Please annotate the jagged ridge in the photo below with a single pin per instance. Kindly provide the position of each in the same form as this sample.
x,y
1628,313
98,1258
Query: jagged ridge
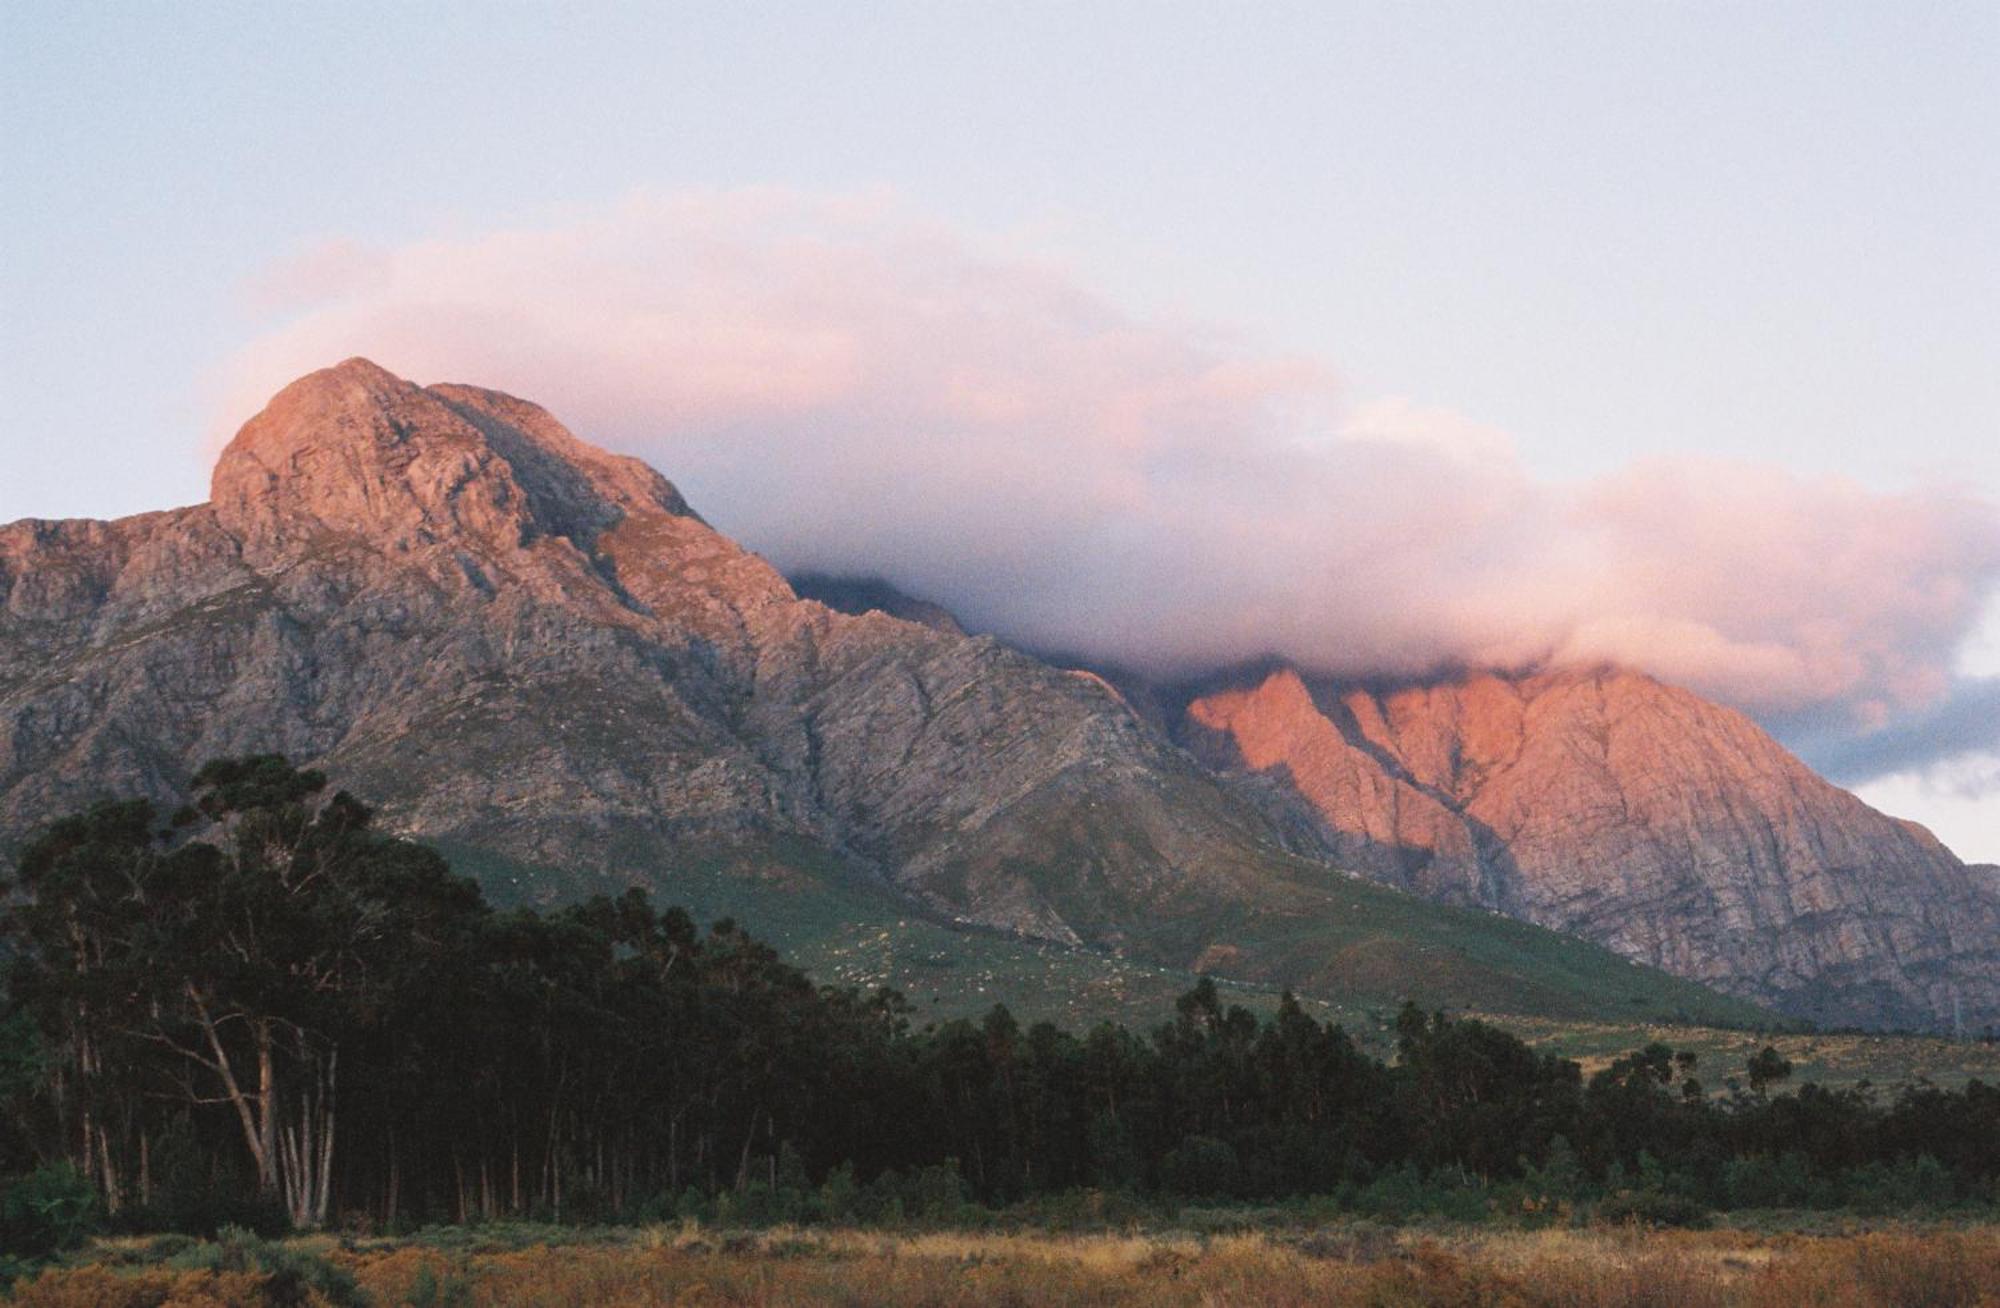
x,y
1601,802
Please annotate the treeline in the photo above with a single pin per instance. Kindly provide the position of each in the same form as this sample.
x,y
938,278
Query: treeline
x,y
262,1011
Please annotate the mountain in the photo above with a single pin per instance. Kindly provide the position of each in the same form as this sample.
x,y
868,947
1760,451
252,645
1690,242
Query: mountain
x,y
537,654
1602,803
862,595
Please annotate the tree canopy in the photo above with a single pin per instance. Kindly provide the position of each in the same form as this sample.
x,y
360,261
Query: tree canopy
x,y
263,1003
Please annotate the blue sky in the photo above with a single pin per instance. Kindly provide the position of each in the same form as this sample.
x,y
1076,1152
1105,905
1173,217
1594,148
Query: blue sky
x,y
1611,233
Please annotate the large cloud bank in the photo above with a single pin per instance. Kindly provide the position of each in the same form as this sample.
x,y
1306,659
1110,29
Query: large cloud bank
x,y
851,389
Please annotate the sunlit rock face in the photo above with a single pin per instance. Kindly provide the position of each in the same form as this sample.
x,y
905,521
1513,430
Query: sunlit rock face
x,y
509,638
1604,803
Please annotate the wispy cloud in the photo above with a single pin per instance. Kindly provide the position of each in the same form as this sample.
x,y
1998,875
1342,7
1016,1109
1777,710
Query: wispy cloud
x,y
851,388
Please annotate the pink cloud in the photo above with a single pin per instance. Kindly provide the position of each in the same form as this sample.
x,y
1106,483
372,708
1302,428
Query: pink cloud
x,y
851,388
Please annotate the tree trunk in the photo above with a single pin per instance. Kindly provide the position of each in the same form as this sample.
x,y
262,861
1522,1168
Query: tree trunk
x,y
321,1201
395,1181
255,1137
113,1199
305,1152
267,1100
743,1165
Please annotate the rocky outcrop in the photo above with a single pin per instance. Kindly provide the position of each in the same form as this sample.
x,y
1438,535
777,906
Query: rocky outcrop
x,y
1603,803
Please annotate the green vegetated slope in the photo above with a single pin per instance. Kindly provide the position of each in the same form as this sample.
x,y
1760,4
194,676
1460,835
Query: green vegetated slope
x,y
1357,950
1825,1058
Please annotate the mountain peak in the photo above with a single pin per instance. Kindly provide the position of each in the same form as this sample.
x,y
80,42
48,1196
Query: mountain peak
x,y
1602,802
354,450
356,367
349,388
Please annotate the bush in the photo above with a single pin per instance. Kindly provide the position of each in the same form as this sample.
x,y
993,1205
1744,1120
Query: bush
x,y
1759,1181
291,1277
1653,1208
50,1209
933,1195
207,1212
839,1198
428,1291
1202,1166
1906,1185
936,1193
12,1269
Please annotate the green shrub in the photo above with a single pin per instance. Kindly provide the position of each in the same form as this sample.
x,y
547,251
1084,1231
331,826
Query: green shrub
x,y
1905,1185
50,1209
428,1291
193,1193
935,1193
291,1276
839,1197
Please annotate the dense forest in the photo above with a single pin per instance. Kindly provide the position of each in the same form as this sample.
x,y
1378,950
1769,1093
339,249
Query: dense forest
x,y
260,1010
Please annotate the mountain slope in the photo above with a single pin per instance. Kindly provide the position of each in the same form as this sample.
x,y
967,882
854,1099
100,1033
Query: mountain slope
x,y
1603,803
861,595
538,653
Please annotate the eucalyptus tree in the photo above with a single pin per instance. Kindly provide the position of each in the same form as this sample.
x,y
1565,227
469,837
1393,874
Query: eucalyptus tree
x,y
242,945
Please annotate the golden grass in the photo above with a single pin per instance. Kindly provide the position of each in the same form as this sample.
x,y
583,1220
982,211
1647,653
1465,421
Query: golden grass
x,y
1362,1266
98,1287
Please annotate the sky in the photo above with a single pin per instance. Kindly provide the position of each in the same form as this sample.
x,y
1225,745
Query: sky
x,y
1375,336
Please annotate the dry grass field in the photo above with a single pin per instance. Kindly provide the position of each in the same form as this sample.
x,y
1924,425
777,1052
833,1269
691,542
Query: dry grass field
x,y
1895,1267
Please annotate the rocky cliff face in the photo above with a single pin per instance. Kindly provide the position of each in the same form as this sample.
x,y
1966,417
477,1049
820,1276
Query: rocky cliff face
x,y
1606,804
510,638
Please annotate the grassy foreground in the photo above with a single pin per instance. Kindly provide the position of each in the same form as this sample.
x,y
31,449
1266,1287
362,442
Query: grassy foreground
x,y
1935,1266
